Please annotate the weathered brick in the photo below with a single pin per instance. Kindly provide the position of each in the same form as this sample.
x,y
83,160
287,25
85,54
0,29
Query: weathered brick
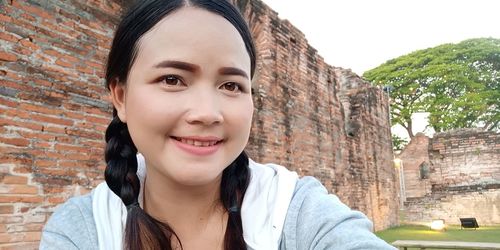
x,y
7,37
13,179
463,176
19,142
8,219
19,189
5,18
34,10
23,199
53,120
6,209
6,56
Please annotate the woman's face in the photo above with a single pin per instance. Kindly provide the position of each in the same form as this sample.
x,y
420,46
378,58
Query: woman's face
x,y
187,101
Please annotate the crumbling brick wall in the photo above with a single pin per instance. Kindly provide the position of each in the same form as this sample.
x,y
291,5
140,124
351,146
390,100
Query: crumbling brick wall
x,y
464,178
55,109
415,160
320,120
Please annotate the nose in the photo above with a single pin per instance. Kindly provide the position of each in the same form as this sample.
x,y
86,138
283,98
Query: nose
x,y
204,109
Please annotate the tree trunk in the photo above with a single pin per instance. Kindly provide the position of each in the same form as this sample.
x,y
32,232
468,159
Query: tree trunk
x,y
410,130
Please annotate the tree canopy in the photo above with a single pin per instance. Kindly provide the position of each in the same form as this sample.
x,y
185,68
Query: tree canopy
x,y
458,84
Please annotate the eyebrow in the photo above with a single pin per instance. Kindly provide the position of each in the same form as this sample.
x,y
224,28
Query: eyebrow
x,y
232,71
178,65
193,68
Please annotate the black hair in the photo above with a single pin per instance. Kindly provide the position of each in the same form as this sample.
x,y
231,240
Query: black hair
x,y
142,230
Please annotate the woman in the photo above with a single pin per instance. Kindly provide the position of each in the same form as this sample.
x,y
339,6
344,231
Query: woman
x,y
180,74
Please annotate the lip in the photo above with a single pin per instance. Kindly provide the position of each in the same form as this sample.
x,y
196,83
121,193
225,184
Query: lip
x,y
198,150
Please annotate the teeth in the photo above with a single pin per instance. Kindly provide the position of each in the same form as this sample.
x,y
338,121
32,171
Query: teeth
x,y
197,143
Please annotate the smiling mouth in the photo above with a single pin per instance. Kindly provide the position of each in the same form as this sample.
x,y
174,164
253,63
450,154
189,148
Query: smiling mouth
x,y
197,142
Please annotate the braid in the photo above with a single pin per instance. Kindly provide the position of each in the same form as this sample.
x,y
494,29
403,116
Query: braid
x,y
235,180
120,156
142,231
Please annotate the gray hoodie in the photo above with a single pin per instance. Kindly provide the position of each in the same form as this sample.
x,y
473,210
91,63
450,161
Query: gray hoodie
x,y
315,220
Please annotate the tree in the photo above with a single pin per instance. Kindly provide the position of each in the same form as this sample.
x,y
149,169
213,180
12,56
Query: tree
x,y
398,143
458,84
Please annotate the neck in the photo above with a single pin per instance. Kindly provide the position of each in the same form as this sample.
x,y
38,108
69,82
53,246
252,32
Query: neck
x,y
180,205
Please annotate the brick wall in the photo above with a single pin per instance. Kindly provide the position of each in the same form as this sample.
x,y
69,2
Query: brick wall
x,y
464,178
311,117
53,110
415,155
320,120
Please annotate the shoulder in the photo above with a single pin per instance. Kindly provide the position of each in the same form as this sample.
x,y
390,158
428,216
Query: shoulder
x,y
71,226
318,220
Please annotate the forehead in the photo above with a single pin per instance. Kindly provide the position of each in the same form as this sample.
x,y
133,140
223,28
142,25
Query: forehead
x,y
195,35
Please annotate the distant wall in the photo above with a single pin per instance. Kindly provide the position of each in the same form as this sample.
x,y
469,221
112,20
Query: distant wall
x,y
415,155
464,178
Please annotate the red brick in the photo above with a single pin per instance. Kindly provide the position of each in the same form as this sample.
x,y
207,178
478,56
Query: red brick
x,y
66,148
7,37
45,145
63,63
21,189
22,170
40,109
28,43
86,70
29,227
6,56
57,200
13,179
34,10
9,219
73,115
53,120
35,135
5,18
20,142
100,120
52,53
8,103
18,85
45,163
77,156
69,58
23,51
53,189
58,172
54,129
24,198
6,209
22,124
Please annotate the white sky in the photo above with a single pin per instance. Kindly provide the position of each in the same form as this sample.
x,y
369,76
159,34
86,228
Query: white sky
x,y
362,34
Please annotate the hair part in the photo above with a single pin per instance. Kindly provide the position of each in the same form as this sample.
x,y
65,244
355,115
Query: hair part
x,y
142,230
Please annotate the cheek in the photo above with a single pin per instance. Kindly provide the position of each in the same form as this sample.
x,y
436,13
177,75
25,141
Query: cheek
x,y
240,116
149,112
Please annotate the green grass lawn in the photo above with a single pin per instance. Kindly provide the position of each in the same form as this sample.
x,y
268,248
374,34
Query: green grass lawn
x,y
452,233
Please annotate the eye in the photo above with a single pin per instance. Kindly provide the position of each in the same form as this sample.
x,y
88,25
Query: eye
x,y
171,80
232,87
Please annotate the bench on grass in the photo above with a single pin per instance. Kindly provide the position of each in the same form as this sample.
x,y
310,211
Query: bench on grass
x,y
427,244
468,223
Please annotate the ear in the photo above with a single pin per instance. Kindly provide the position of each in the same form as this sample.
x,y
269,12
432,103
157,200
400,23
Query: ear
x,y
118,97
